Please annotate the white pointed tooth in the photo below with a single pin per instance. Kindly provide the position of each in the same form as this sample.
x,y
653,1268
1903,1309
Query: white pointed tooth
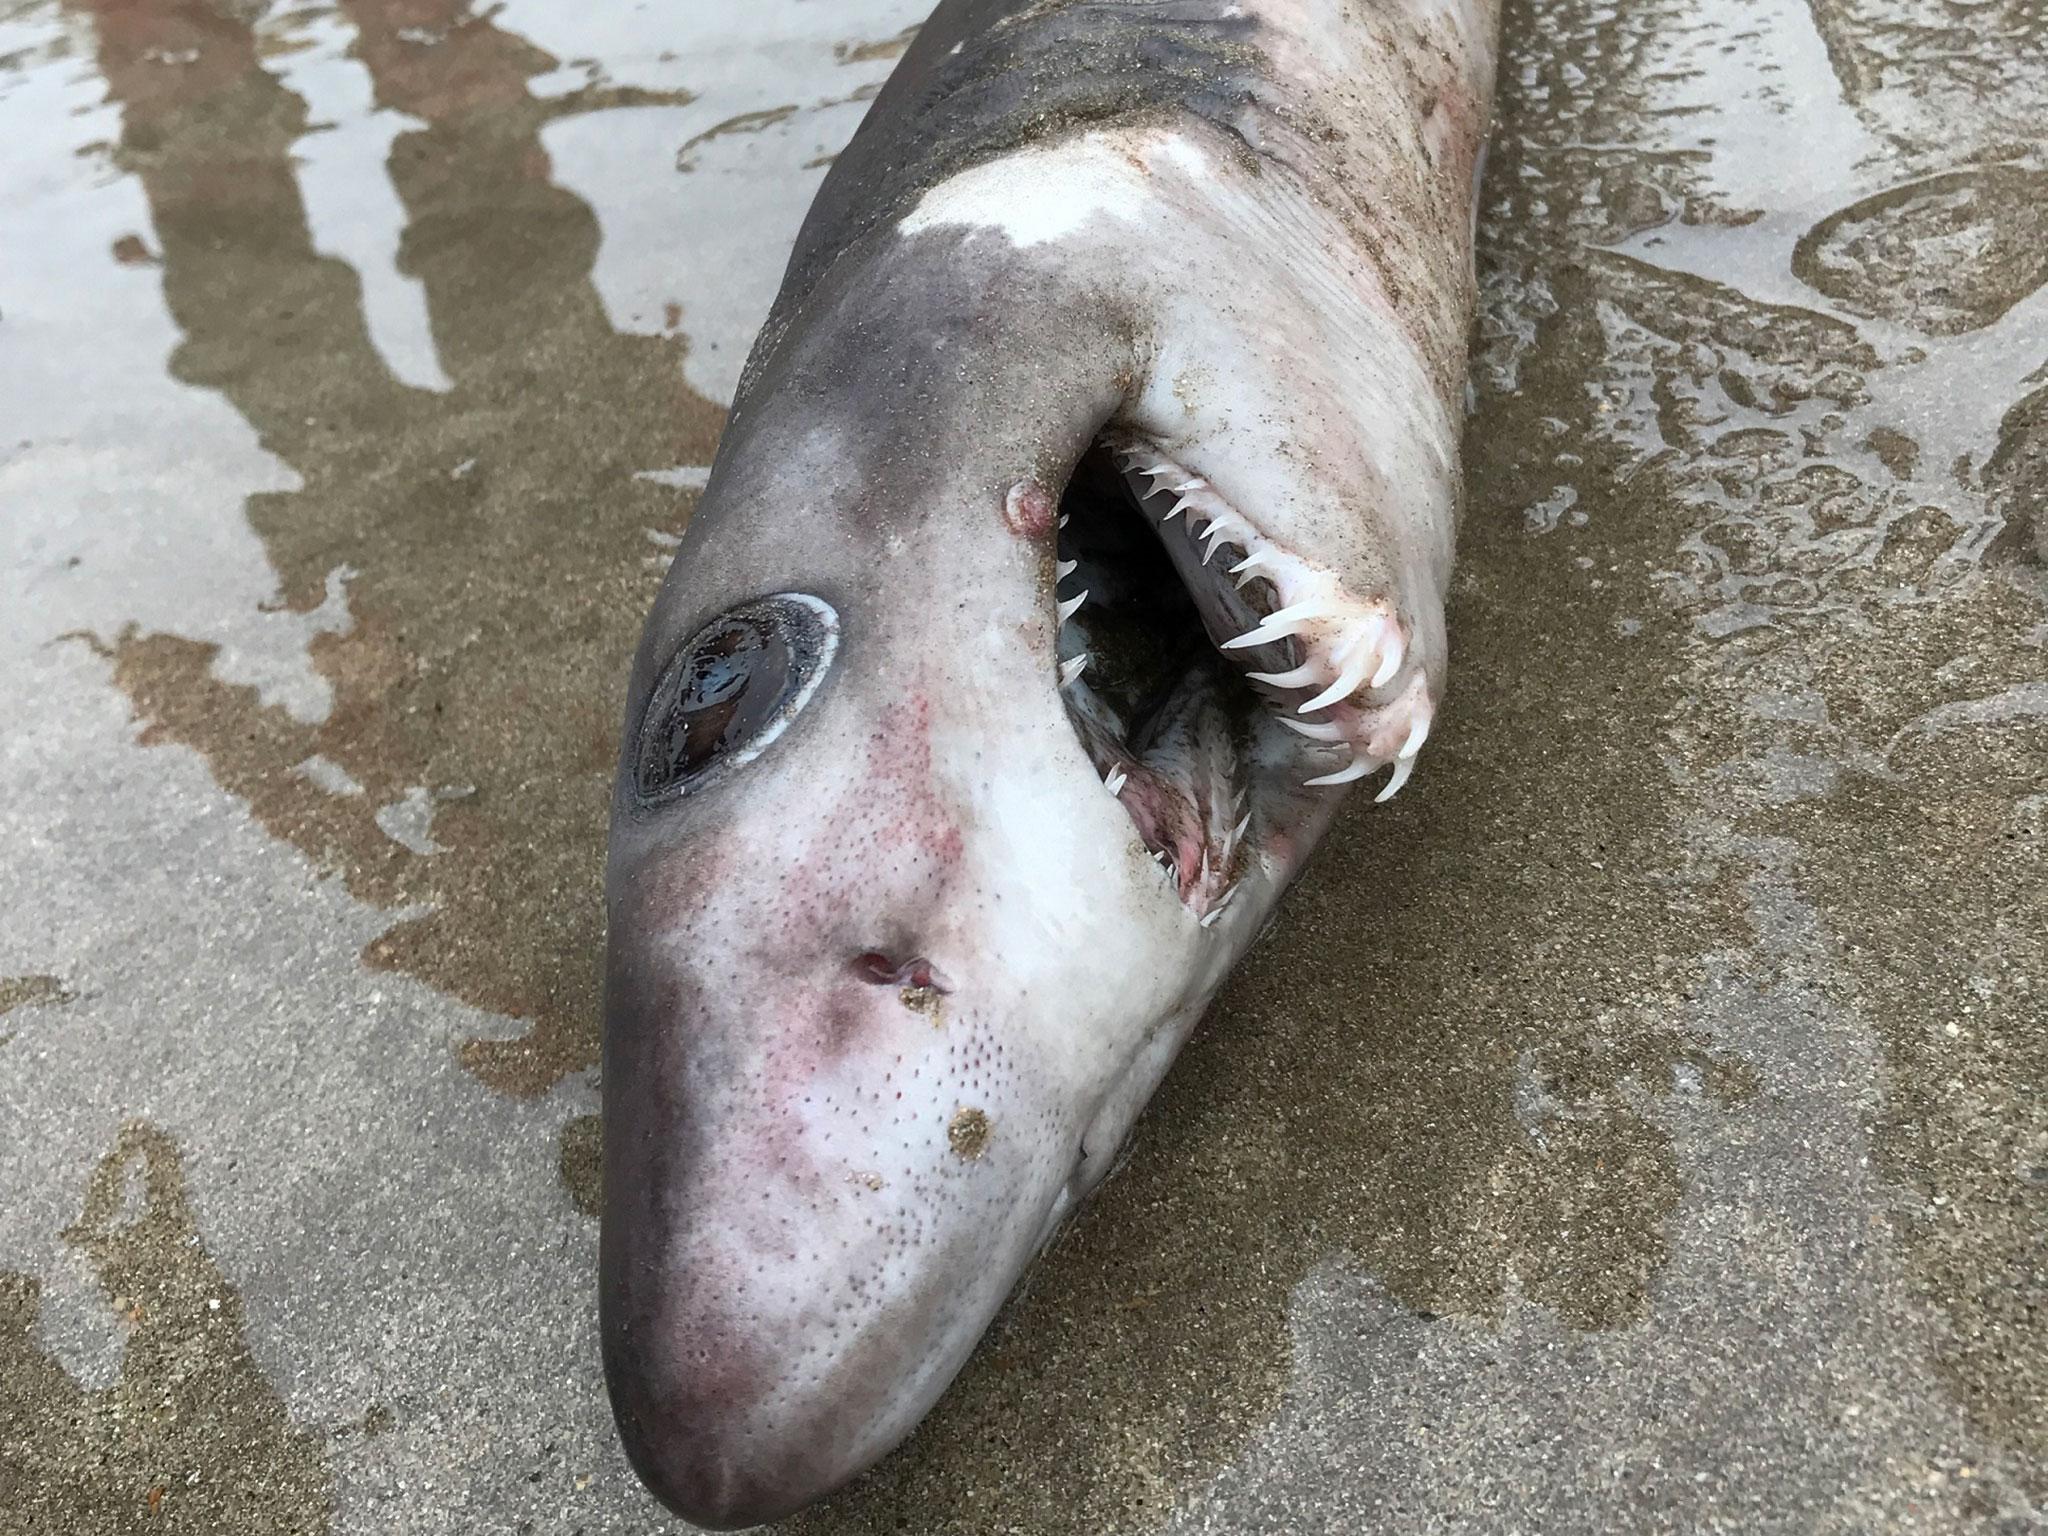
x,y
1299,613
1252,561
1072,668
1297,677
1203,873
1402,768
1196,484
1359,766
1336,693
1063,520
1390,660
1238,831
1178,508
1314,730
1418,733
1278,625
1346,684
1116,781
1215,537
1064,568
1209,917
1263,635
1160,469
1071,607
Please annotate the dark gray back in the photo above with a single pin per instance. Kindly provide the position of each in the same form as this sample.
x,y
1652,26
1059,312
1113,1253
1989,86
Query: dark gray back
x,y
987,76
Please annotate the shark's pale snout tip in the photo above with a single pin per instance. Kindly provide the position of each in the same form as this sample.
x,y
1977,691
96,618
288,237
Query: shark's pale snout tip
x,y
697,1450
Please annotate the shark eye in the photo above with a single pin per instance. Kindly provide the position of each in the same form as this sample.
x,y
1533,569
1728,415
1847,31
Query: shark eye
x,y
730,691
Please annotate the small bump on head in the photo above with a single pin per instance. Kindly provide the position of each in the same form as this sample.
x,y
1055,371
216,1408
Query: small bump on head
x,y
1029,510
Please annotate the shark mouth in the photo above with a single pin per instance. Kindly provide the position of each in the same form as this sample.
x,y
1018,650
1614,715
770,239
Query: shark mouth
x,y
1220,683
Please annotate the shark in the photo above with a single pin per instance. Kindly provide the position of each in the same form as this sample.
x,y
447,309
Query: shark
x,y
1077,543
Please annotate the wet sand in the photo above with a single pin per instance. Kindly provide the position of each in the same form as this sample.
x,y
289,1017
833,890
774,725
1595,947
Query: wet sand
x,y
1640,1124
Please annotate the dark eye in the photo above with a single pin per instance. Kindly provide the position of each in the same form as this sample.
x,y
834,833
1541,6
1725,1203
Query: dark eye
x,y
730,691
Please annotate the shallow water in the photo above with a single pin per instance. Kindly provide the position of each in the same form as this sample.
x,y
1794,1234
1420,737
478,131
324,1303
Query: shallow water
x,y
1639,1123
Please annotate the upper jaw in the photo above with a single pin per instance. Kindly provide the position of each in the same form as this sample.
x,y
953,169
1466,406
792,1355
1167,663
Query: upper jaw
x,y
1337,668
1303,686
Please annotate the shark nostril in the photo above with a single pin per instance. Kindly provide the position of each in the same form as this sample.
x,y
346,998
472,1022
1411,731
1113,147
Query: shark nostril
x,y
876,967
887,971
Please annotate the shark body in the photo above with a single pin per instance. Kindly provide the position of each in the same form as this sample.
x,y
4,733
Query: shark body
x,y
1081,531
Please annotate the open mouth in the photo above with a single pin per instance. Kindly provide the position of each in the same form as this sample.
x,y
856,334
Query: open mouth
x,y
1219,681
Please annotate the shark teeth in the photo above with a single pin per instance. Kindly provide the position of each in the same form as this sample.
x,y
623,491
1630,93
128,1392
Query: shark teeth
x,y
1349,655
1248,568
1303,676
1347,675
1374,756
1283,624
1349,645
1402,768
1357,768
1366,651
1346,684
1215,913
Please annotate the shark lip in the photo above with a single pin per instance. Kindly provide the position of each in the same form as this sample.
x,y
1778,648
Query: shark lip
x,y
1192,643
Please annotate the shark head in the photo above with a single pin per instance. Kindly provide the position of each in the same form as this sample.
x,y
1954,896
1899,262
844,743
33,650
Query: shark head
x,y
1005,678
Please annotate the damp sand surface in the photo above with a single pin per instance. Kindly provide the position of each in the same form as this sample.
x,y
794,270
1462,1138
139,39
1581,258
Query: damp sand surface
x,y
1639,1124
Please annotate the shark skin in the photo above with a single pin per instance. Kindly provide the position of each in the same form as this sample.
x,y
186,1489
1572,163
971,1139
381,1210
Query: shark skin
x,y
1080,533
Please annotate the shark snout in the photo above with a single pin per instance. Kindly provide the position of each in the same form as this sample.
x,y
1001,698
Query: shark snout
x,y
817,1191
685,1401
745,1388
729,1225
718,1413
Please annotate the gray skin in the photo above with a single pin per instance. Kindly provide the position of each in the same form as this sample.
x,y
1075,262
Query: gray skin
x,y
889,983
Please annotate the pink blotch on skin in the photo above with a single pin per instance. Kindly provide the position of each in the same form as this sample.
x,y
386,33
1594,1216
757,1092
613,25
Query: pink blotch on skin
x,y
1030,510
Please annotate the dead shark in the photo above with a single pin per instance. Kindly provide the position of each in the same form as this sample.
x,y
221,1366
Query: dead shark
x,y
1081,530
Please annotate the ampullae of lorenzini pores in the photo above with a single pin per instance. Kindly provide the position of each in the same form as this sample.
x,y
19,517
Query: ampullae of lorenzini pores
x,y
1079,540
